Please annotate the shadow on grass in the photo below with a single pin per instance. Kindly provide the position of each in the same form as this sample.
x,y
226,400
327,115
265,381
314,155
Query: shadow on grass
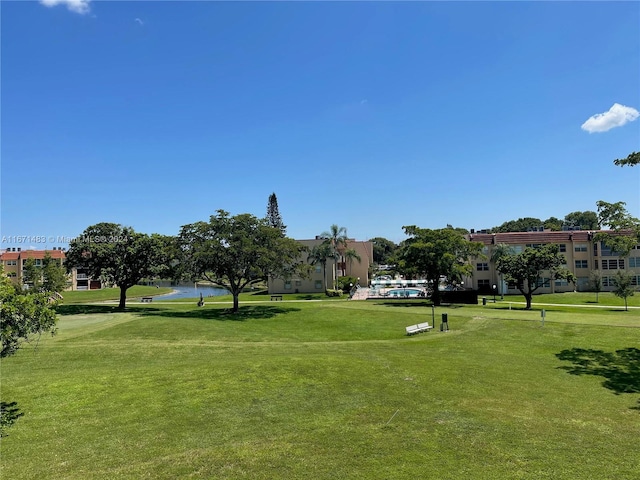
x,y
247,312
621,369
80,309
9,413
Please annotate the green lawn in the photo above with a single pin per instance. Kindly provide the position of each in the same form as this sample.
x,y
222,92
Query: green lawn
x,y
87,296
324,390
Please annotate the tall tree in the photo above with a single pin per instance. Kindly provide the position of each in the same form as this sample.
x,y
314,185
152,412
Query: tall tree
x,y
235,252
587,220
433,254
626,228
350,254
623,286
499,251
337,238
631,160
273,214
527,269
383,250
32,275
320,255
117,254
520,225
54,275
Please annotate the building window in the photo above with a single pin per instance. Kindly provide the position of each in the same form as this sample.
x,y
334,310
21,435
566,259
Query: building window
x,y
561,282
613,264
621,263
516,249
482,267
318,284
582,264
563,247
483,284
606,282
318,268
595,264
605,251
298,283
543,282
580,247
595,249
533,245
287,285
635,280
634,262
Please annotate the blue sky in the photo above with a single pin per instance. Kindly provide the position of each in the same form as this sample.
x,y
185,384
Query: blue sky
x,y
369,115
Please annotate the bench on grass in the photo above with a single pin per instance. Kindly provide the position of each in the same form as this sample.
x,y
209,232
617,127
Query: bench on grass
x,y
146,299
419,328
276,297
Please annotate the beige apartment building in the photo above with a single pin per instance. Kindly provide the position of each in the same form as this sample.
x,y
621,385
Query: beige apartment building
x,y
334,269
582,252
14,259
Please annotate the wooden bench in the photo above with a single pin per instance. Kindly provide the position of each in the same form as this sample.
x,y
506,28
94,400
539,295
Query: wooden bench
x,y
276,297
419,328
146,299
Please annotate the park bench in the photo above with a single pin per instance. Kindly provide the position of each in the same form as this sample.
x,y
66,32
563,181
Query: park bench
x,y
276,297
419,328
146,299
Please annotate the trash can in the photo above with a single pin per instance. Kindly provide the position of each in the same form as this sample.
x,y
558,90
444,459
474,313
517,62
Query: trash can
x,y
484,300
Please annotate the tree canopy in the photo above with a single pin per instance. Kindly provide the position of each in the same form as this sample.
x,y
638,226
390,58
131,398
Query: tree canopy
x,y
273,214
432,254
118,255
527,269
383,250
631,160
24,315
237,251
49,277
626,228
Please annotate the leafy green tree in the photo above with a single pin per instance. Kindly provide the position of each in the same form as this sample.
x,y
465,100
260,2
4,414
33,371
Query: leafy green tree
x,y
319,255
432,254
631,160
499,251
337,238
383,250
520,225
118,255
527,269
586,220
623,286
273,214
32,275
595,280
350,255
552,223
54,274
235,252
24,316
626,228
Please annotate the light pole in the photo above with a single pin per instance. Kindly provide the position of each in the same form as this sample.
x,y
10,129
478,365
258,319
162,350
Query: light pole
x,y
494,292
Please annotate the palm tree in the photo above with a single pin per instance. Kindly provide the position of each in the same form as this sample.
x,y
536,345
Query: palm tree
x,y
319,255
337,238
501,250
350,255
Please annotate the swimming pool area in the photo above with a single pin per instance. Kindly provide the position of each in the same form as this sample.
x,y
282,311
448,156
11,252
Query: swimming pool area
x,y
405,292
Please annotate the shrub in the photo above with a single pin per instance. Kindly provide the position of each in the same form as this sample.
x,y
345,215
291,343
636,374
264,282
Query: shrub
x,y
333,293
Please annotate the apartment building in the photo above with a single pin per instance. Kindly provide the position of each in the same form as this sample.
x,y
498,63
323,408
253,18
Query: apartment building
x,y
334,269
582,252
14,259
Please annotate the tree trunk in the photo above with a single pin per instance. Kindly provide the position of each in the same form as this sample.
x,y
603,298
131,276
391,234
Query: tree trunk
x,y
528,297
123,297
435,296
235,302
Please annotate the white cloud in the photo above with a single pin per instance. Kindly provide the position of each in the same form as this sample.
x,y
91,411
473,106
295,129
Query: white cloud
x,y
617,116
78,6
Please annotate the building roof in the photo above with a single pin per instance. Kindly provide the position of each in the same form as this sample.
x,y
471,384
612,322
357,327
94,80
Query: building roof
x,y
521,238
24,254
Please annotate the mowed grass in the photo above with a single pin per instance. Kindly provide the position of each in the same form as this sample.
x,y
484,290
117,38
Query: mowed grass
x,y
323,390
104,294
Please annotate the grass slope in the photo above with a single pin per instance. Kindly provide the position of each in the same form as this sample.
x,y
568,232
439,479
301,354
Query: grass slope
x,y
327,390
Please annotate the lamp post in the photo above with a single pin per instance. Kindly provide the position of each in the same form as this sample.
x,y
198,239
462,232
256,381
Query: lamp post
x,y
494,292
